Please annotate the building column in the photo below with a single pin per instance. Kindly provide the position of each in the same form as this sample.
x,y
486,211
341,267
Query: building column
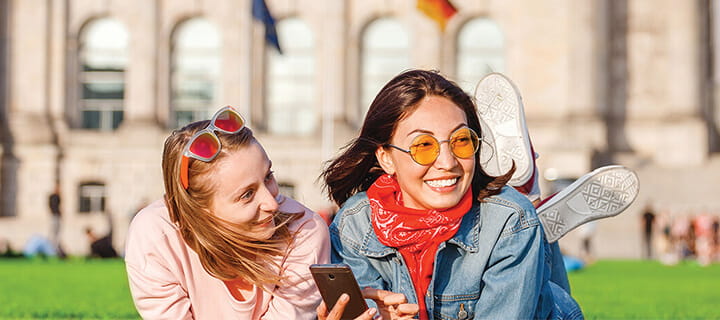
x,y
8,162
573,124
713,47
141,97
685,130
333,73
664,94
27,107
237,55
592,89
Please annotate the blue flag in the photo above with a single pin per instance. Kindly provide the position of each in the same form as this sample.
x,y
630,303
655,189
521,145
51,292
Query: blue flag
x,y
260,11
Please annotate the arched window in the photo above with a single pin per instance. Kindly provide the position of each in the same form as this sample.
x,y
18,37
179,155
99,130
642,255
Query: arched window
x,y
194,72
103,58
480,51
91,197
291,92
385,53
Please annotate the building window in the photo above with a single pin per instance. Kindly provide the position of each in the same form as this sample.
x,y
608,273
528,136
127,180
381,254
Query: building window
x,y
91,197
287,189
480,51
103,57
385,53
9,168
194,72
291,99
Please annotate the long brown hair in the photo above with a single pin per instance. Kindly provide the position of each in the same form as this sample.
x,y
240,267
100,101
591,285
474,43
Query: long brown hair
x,y
224,251
357,168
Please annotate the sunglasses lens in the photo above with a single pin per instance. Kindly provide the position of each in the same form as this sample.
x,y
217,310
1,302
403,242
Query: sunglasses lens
x,y
229,120
464,143
425,149
205,145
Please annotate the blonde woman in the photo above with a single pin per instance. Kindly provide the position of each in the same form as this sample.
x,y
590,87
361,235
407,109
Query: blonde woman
x,y
223,243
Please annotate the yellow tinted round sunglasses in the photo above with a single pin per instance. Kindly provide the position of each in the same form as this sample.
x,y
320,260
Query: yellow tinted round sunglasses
x,y
425,148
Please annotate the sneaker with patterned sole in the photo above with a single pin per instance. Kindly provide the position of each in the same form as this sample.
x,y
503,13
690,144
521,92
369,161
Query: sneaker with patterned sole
x,y
503,118
602,193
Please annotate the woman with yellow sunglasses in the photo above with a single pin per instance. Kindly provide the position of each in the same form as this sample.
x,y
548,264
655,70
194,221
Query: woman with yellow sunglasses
x,y
223,243
418,216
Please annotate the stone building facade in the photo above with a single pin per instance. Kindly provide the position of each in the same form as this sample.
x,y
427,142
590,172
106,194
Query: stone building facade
x,y
90,89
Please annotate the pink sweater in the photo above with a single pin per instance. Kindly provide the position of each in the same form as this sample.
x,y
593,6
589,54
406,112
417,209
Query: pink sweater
x,y
167,280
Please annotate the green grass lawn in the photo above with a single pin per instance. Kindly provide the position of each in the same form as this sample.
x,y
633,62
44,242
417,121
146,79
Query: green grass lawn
x,y
70,289
647,290
97,289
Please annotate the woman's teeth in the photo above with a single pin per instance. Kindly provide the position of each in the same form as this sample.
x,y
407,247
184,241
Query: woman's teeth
x,y
441,183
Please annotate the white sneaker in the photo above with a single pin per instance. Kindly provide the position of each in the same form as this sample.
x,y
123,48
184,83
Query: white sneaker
x,y
503,118
602,193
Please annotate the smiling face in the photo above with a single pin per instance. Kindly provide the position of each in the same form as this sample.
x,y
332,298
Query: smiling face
x,y
443,183
246,190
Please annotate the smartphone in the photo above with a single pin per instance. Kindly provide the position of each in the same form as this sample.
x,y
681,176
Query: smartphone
x,y
335,279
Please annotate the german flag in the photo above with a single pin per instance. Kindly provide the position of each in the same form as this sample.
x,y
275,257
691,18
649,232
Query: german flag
x,y
439,10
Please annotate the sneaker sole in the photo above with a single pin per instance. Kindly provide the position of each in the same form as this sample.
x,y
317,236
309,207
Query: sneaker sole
x,y
602,193
500,107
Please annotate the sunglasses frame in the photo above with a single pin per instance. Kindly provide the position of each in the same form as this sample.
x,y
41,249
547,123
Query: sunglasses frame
x,y
440,142
211,128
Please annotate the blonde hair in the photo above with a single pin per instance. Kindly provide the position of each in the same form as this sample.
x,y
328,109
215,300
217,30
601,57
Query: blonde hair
x,y
224,251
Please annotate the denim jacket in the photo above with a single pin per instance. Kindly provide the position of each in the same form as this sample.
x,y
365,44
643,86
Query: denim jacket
x,y
495,267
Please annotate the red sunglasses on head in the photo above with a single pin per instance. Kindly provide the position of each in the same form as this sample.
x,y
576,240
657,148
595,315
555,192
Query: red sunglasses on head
x,y
204,145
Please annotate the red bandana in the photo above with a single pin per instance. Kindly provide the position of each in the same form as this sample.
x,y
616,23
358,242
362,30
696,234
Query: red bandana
x,y
415,233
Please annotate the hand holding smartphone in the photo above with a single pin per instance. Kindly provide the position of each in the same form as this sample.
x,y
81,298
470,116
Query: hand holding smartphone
x,y
335,279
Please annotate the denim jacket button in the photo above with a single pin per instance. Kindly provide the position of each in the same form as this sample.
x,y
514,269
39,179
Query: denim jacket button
x,y
462,314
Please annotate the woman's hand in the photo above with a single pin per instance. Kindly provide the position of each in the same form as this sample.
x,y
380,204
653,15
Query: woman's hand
x,y
392,306
337,310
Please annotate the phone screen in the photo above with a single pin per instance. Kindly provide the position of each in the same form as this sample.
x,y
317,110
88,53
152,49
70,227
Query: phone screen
x,y
335,279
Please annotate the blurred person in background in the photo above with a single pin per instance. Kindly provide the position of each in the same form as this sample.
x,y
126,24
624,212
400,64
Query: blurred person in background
x,y
586,232
703,227
715,237
681,234
648,225
7,250
102,247
39,246
55,215
664,242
